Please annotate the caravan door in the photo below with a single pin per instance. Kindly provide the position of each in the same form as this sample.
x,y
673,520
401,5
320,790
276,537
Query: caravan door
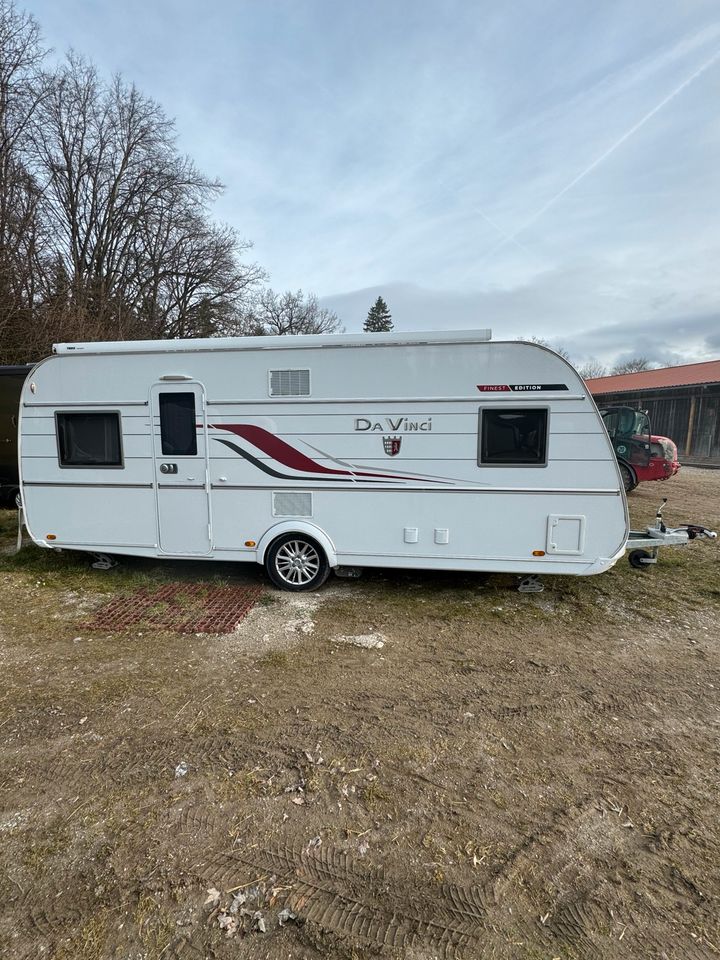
x,y
180,455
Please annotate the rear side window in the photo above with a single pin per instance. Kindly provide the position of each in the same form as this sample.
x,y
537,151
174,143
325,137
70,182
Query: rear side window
x,y
89,439
178,435
513,437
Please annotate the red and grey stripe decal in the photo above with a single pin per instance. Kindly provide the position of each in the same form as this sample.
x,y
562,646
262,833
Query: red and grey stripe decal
x,y
270,470
519,387
288,456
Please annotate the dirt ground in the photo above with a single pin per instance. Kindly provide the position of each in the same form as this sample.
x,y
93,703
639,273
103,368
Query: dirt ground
x,y
509,775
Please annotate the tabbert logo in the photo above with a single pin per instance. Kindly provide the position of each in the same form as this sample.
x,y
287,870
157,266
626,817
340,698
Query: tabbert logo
x,y
391,445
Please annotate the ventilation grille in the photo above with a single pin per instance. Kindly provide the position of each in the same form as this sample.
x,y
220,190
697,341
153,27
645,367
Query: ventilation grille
x,y
289,383
292,503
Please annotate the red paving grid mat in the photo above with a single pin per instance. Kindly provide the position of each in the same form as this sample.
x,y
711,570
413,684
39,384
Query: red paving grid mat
x,y
180,607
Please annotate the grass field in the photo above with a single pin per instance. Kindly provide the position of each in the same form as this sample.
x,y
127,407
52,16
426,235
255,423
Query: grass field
x,y
509,775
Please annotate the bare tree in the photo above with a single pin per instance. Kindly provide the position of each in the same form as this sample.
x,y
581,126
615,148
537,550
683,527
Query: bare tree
x,y
591,369
20,241
192,283
130,213
132,239
105,229
633,365
546,343
288,313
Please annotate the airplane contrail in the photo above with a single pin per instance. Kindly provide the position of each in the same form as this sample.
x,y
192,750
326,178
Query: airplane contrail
x,y
512,237
507,238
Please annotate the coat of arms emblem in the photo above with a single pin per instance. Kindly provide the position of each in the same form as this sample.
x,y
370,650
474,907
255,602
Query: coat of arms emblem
x,y
391,445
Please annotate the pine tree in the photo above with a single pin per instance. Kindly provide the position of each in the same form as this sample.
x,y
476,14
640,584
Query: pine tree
x,y
379,319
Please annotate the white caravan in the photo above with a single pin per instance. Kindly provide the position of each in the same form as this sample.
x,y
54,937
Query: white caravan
x,y
460,453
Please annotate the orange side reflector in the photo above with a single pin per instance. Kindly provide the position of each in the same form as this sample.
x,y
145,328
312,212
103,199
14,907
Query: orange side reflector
x,y
50,536
250,543
538,553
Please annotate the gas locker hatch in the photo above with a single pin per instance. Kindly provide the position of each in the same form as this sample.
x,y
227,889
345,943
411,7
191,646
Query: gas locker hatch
x,y
180,456
565,534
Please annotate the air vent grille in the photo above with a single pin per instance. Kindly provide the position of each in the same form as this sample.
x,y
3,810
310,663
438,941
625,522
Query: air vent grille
x,y
292,503
289,383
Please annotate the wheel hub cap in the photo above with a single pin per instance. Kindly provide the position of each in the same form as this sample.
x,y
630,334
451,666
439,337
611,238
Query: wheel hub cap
x,y
297,562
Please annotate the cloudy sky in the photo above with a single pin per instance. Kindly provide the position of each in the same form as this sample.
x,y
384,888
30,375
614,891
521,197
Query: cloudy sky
x,y
547,169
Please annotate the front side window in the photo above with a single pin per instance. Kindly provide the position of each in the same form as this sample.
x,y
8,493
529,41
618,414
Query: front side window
x,y
513,436
178,434
89,439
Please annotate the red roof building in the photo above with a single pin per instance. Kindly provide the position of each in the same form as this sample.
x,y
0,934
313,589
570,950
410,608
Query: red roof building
x,y
683,403
682,376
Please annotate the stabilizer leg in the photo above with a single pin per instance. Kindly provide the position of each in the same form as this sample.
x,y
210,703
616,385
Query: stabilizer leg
x,y
531,584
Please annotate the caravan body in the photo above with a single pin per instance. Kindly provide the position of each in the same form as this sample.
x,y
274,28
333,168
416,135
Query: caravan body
x,y
427,451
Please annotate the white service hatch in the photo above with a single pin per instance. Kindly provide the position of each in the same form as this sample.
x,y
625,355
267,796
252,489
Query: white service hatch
x,y
565,534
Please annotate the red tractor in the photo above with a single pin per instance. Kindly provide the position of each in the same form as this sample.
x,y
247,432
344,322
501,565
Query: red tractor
x,y
641,456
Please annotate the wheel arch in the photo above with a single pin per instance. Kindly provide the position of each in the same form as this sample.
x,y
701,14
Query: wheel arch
x,y
297,526
633,472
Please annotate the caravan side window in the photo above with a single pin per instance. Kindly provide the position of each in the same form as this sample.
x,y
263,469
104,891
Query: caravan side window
x,y
89,439
178,434
513,437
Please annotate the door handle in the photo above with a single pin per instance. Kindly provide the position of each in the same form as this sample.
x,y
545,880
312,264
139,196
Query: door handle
x,y
168,468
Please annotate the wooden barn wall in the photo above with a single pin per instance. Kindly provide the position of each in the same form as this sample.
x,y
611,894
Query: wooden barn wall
x,y
669,412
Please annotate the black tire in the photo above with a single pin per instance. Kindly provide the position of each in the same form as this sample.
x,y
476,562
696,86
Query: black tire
x,y
629,479
636,557
8,496
296,562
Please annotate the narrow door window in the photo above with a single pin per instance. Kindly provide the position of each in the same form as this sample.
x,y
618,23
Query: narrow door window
x,y
178,434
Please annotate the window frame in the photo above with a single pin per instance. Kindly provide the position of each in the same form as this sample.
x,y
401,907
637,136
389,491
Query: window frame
x,y
513,408
186,392
90,466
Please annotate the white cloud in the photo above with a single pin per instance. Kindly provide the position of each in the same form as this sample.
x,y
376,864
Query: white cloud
x,y
394,147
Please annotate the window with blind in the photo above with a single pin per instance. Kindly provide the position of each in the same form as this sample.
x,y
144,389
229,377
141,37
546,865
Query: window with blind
x,y
89,439
513,437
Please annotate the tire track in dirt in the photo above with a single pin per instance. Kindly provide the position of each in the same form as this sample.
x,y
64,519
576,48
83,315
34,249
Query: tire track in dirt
x,y
553,872
558,879
50,910
49,919
551,891
562,703
364,904
574,924
125,761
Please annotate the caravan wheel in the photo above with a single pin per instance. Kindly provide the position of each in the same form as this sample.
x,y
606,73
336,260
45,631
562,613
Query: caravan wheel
x,y
296,562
